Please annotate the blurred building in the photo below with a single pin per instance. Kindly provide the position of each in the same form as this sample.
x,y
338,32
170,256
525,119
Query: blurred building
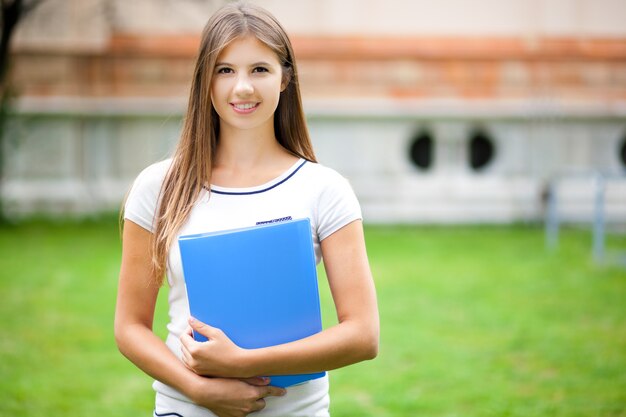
x,y
450,111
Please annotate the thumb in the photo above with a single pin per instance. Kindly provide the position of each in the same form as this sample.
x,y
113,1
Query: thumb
x,y
202,328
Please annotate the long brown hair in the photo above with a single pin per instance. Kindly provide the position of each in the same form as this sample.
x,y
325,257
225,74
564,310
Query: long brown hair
x,y
194,155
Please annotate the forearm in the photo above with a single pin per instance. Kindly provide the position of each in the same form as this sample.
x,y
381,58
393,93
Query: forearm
x,y
341,345
348,342
150,354
222,396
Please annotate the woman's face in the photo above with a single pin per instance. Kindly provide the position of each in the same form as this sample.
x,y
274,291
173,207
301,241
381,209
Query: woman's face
x,y
246,85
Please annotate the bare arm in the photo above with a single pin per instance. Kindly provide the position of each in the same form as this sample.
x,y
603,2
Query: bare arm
x,y
353,339
134,314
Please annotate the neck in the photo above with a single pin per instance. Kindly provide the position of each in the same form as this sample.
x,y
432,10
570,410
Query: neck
x,y
246,148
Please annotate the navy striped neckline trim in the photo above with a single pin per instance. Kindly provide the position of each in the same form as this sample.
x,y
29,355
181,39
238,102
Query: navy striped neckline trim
x,y
264,189
167,414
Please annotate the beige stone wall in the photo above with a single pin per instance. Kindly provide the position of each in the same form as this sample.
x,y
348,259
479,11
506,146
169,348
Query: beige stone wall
x,y
81,20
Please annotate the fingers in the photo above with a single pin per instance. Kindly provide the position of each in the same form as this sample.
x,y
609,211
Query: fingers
x,y
264,381
257,381
268,391
189,348
217,356
188,345
186,339
259,404
186,357
261,381
271,391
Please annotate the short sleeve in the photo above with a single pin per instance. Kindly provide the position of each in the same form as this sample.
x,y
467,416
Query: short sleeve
x,y
337,206
142,200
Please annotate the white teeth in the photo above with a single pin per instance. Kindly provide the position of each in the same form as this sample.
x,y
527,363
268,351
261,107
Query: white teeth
x,y
246,106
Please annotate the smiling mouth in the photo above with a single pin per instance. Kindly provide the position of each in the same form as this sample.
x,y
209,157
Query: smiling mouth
x,y
244,107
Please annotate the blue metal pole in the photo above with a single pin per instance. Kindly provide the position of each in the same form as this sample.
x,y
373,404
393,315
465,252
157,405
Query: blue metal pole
x,y
598,220
552,217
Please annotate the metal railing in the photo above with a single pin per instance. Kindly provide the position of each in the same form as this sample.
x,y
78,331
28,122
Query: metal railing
x,y
554,218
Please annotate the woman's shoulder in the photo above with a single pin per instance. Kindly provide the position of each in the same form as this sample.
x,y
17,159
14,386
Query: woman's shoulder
x,y
322,173
157,169
336,203
153,175
142,199
325,181
148,183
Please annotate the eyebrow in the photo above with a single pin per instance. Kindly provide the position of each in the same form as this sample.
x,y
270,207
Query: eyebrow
x,y
256,64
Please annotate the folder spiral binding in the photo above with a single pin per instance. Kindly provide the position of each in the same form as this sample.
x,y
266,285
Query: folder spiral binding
x,y
257,284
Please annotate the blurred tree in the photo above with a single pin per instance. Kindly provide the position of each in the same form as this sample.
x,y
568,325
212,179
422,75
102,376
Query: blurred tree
x,y
12,12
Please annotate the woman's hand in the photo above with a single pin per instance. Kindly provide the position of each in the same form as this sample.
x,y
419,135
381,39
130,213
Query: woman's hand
x,y
217,357
233,397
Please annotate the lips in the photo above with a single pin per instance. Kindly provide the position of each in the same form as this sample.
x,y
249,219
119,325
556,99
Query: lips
x,y
244,108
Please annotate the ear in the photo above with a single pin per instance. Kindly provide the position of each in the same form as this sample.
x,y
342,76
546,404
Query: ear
x,y
287,72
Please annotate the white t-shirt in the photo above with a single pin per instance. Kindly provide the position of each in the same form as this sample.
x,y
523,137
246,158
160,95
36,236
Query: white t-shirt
x,y
305,190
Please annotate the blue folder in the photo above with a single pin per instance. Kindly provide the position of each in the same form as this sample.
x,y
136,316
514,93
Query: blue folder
x,y
257,284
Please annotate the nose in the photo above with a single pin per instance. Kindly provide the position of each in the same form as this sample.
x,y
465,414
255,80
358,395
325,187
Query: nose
x,y
243,87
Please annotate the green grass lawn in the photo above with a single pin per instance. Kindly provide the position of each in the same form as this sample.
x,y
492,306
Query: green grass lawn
x,y
476,321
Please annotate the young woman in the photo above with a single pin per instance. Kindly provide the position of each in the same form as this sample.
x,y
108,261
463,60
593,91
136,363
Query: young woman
x,y
244,156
